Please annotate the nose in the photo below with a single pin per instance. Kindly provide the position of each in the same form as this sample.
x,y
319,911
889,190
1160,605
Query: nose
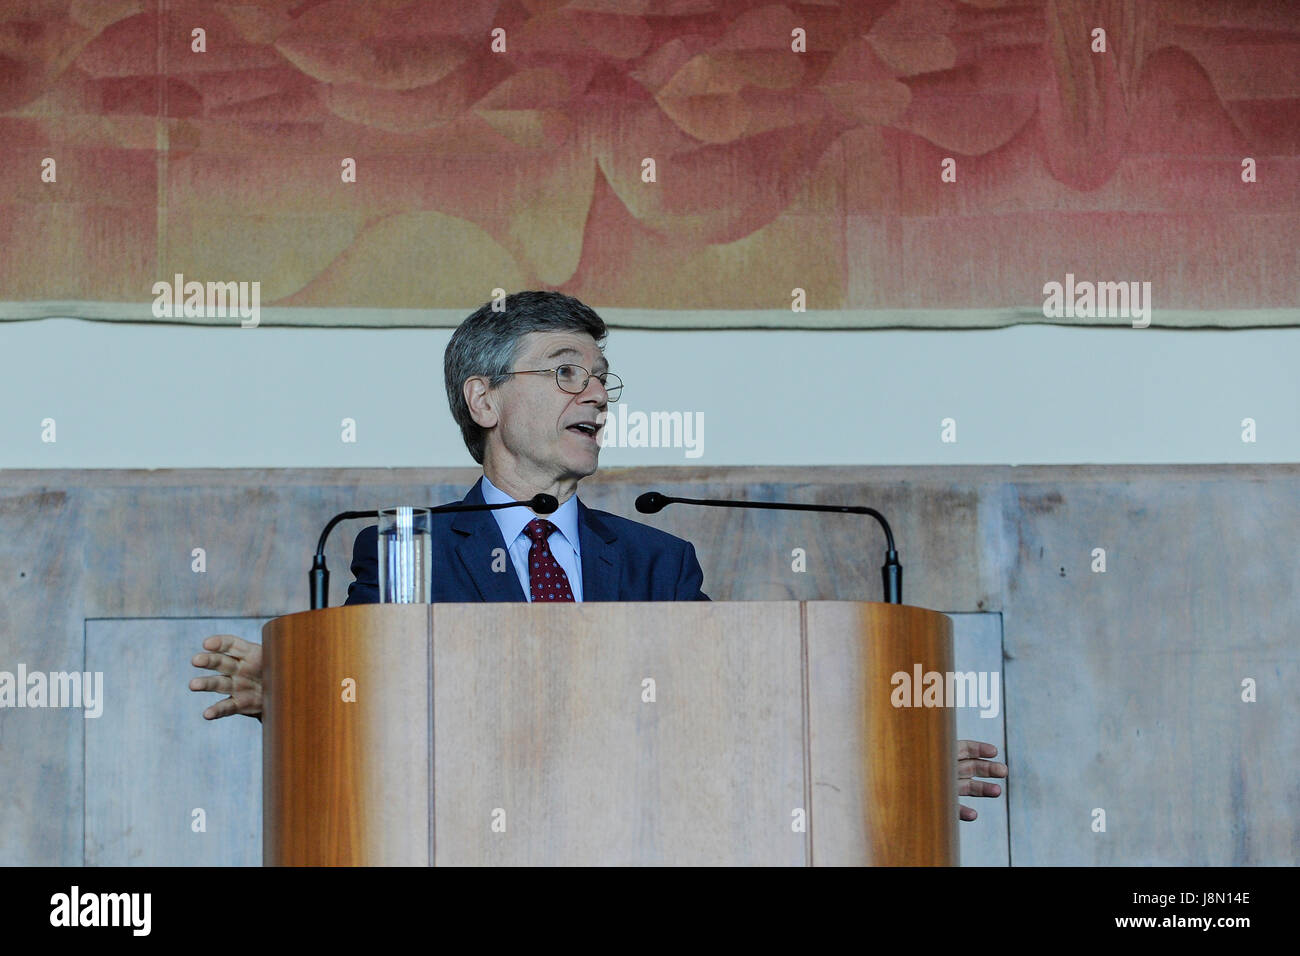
x,y
597,390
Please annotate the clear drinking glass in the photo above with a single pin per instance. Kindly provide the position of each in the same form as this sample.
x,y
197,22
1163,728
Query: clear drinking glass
x,y
405,555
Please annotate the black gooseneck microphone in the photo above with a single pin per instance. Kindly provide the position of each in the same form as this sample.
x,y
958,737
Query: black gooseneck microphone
x,y
891,571
319,575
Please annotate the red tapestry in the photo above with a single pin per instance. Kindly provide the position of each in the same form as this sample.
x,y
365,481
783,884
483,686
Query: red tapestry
x,y
908,162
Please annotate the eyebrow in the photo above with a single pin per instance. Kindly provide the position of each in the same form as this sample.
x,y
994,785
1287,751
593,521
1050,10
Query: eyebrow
x,y
601,364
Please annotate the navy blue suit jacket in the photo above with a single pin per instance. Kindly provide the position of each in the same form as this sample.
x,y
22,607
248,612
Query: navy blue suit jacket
x,y
622,560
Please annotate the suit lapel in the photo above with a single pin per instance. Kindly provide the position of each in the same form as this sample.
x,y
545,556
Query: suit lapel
x,y
600,570
479,536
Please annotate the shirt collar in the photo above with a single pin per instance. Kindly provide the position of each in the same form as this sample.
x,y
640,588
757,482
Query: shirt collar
x,y
511,521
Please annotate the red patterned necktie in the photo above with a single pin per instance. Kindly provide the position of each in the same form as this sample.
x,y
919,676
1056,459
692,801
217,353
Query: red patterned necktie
x,y
546,579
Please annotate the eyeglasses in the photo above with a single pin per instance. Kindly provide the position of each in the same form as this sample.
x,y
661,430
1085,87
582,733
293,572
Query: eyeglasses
x,y
574,378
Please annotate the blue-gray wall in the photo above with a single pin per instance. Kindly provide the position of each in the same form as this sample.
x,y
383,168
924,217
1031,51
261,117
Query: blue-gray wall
x,y
128,396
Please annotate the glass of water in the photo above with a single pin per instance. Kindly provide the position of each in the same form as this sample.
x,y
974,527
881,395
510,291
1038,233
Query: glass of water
x,y
405,555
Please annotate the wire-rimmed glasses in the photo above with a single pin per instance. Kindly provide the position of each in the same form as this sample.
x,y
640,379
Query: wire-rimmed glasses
x,y
574,378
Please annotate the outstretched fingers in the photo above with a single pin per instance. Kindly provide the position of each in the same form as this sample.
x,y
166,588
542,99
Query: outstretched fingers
x,y
219,685
977,788
980,768
967,749
222,708
232,645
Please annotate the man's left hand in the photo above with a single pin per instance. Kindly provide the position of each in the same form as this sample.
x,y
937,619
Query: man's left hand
x,y
970,764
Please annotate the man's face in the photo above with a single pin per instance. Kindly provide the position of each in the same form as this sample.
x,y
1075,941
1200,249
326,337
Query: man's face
x,y
535,437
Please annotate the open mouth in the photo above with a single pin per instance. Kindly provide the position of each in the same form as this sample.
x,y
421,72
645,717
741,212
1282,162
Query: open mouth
x,y
585,429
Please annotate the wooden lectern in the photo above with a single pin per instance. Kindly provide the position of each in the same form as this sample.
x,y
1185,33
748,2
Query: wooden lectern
x,y
665,733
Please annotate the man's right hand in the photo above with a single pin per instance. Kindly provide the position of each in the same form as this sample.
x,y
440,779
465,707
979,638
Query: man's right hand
x,y
239,664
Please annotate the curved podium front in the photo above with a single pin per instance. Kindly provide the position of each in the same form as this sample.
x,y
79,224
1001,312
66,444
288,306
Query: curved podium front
x,y
666,733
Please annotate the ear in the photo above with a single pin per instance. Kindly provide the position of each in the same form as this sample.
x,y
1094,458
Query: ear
x,y
482,401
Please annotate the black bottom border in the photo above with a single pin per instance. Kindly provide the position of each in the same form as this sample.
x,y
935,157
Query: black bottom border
x,y
241,906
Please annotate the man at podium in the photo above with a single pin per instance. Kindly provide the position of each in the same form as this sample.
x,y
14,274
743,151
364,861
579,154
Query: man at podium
x,y
529,387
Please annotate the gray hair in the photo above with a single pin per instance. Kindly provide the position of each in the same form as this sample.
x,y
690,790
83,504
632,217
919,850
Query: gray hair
x,y
487,343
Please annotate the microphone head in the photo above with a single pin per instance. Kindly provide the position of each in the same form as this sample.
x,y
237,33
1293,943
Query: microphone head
x,y
651,503
545,504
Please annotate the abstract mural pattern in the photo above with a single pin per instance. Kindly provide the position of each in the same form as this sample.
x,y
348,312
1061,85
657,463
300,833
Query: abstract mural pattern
x,y
774,168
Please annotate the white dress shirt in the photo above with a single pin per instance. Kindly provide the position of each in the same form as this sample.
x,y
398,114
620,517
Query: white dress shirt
x,y
563,542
